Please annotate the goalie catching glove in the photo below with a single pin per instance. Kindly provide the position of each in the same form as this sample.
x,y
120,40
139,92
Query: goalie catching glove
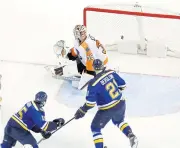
x,y
60,48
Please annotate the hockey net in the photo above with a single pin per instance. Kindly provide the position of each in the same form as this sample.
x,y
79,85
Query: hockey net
x,y
126,26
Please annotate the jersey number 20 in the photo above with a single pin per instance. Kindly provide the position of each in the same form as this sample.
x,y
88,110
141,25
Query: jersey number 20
x,y
111,88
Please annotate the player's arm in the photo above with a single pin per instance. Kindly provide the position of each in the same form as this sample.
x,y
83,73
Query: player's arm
x,y
42,124
90,98
89,104
120,82
100,47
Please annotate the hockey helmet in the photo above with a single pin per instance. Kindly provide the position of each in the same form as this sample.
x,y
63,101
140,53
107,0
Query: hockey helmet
x,y
98,64
41,98
80,32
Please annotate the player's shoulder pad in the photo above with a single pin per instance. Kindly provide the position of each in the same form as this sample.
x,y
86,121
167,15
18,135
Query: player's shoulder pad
x,y
37,107
99,76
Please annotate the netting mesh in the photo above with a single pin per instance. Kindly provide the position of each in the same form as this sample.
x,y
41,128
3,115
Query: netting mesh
x,y
136,23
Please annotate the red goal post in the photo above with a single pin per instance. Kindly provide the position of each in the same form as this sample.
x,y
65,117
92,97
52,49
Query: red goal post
x,y
133,24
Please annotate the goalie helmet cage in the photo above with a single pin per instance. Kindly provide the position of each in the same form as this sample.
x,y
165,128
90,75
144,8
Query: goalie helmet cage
x,y
115,24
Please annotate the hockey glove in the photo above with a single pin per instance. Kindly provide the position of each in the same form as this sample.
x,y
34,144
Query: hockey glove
x,y
59,121
80,113
71,57
36,129
46,134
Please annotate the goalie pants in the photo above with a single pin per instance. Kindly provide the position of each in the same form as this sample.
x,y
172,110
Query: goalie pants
x,y
102,117
14,134
81,68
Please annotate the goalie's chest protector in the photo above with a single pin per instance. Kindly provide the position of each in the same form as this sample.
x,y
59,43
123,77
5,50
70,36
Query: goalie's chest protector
x,y
87,51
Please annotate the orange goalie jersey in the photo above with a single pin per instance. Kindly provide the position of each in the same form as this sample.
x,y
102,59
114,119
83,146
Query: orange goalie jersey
x,y
89,50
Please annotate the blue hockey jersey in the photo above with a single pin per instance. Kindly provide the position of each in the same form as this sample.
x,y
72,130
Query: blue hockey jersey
x,y
105,90
31,115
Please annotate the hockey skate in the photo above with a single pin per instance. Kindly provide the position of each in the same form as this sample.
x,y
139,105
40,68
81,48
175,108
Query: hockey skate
x,y
133,140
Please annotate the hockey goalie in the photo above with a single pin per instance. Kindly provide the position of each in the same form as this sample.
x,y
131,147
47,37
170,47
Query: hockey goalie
x,y
86,49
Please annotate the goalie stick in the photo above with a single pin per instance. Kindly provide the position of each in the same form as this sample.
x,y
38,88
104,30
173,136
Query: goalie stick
x,y
67,78
61,76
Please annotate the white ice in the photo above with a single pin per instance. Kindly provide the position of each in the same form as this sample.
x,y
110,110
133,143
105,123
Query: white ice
x,y
158,126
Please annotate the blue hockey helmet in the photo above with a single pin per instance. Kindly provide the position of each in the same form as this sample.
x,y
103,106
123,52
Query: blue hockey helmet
x,y
41,98
98,64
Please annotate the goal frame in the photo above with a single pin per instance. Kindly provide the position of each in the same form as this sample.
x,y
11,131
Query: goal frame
x,y
156,15
142,45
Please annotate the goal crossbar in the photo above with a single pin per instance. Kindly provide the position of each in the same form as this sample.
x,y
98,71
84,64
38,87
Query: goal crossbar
x,y
158,15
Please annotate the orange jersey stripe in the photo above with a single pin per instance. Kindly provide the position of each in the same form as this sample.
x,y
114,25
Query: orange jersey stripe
x,y
89,56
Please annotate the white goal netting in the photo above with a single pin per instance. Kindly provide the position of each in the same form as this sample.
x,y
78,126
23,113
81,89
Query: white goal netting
x,y
124,25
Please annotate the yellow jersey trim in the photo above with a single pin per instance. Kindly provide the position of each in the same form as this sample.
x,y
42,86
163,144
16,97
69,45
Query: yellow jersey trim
x,y
20,122
102,77
109,106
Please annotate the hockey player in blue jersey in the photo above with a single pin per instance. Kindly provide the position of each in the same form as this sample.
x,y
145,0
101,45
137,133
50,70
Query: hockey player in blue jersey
x,y
105,90
30,118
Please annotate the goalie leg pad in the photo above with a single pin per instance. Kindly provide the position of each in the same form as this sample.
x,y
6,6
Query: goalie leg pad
x,y
75,84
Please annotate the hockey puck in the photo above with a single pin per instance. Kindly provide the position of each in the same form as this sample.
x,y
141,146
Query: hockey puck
x,y
122,37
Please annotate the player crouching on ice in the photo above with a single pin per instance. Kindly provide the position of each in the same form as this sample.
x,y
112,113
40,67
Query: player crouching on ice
x,y
105,90
86,48
30,117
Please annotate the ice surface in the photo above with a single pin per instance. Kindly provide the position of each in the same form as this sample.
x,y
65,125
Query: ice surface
x,y
21,82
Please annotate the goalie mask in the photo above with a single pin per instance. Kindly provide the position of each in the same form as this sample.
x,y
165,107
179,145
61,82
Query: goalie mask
x,y
80,32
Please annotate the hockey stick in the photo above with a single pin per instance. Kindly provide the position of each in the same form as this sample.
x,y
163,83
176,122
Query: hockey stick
x,y
56,130
67,78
